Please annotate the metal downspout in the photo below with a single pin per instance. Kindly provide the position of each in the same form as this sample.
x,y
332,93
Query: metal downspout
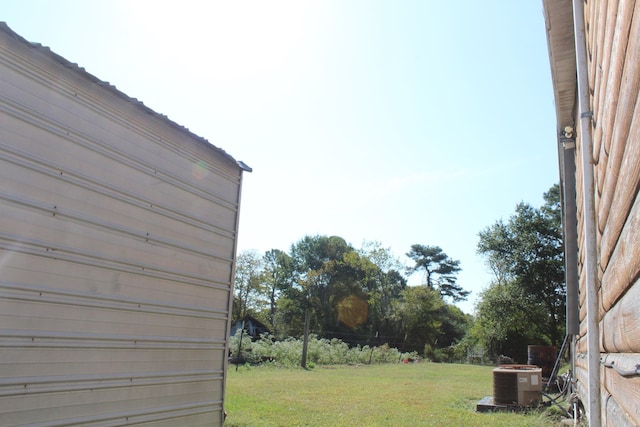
x,y
571,237
590,240
570,228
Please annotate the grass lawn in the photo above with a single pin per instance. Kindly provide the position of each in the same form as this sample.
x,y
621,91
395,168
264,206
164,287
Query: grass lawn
x,y
415,394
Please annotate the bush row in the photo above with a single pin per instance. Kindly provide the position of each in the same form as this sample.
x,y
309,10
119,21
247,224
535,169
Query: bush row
x,y
320,351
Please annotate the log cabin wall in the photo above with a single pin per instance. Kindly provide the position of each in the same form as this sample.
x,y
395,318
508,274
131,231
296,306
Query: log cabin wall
x,y
612,38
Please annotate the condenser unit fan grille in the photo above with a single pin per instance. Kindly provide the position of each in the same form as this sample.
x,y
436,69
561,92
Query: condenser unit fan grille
x,y
505,388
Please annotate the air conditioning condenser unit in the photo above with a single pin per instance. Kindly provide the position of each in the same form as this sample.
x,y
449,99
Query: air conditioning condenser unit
x,y
517,385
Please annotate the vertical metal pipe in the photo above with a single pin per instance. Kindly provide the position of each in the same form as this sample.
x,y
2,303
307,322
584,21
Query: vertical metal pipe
x,y
570,223
572,377
590,240
305,342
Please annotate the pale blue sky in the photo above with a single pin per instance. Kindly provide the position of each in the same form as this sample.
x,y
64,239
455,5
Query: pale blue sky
x,y
394,121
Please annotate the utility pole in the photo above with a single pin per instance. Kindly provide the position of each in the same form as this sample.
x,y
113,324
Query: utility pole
x,y
372,348
240,346
305,342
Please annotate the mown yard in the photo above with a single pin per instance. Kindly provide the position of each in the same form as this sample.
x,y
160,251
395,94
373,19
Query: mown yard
x,y
414,394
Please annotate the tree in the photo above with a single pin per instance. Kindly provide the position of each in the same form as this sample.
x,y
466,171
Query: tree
x,y
336,283
455,324
277,277
506,321
247,284
386,287
380,256
320,279
440,271
419,307
358,296
526,255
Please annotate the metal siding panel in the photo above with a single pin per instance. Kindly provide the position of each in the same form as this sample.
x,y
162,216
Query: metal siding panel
x,y
101,284
59,357
55,317
104,119
117,184
116,248
61,236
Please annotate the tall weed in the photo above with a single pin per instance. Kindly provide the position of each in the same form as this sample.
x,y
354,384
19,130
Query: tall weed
x,y
320,351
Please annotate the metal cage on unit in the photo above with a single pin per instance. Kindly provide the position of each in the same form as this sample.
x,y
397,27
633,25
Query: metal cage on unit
x,y
518,385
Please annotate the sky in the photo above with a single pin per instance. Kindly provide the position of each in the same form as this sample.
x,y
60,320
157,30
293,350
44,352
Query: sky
x,y
400,122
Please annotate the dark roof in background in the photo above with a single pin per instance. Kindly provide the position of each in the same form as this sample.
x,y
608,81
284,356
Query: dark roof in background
x,y
76,68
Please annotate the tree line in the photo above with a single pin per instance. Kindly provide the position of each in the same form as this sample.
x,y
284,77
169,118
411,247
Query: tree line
x,y
358,295
361,296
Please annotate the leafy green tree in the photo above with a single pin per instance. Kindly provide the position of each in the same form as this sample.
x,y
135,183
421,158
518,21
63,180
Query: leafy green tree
x,y
358,279
278,276
357,296
312,252
247,284
506,321
417,314
387,286
289,316
440,271
424,321
526,255
454,325
380,256
321,277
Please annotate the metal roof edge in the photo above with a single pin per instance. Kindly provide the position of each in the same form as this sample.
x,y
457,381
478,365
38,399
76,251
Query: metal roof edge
x,y
558,15
4,27
244,166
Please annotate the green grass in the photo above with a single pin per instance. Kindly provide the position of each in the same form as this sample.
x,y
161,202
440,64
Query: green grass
x,y
422,394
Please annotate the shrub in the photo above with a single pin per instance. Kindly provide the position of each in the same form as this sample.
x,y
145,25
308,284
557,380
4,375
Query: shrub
x,y
320,351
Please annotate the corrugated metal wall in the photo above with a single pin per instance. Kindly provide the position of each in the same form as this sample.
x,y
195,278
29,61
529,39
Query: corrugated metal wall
x,y
116,245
